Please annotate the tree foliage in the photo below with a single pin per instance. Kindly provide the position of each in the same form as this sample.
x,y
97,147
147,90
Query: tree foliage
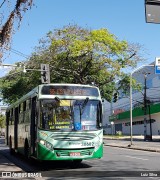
x,y
76,55
2,121
16,15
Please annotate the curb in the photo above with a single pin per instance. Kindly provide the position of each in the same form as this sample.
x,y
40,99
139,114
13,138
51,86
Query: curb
x,y
134,139
134,148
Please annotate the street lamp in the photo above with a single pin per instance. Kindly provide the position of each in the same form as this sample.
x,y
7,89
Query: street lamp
x,y
131,118
25,70
152,11
45,72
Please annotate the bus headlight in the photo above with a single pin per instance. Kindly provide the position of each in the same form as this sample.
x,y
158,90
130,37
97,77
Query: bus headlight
x,y
42,142
46,144
49,145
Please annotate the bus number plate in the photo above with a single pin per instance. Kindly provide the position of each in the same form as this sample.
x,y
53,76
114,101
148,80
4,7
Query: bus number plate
x,y
75,154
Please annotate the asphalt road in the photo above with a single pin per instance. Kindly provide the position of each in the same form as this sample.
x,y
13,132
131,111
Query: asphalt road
x,y
128,159
117,163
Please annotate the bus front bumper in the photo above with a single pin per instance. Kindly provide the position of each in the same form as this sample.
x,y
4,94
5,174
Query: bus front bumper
x,y
68,154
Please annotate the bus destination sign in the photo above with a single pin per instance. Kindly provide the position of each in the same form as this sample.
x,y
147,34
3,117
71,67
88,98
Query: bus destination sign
x,y
70,91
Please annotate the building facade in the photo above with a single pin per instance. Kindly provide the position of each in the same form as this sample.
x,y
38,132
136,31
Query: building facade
x,y
3,109
146,103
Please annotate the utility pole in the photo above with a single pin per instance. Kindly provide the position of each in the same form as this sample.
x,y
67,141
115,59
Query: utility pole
x,y
150,120
145,108
45,73
131,108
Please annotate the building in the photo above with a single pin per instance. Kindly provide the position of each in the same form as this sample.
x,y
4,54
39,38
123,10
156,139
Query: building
x,y
117,115
3,109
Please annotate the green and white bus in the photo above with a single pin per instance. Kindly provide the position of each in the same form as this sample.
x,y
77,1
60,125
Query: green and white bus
x,y
57,122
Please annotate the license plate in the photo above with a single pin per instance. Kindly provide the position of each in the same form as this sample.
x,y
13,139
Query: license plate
x,y
74,153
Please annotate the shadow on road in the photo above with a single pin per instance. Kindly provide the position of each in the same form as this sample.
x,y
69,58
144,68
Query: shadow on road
x,y
40,166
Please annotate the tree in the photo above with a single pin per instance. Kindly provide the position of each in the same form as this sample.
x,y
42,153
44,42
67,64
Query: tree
x,y
7,27
77,55
2,121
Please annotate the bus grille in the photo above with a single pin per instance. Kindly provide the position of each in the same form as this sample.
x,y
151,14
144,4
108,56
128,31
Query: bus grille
x,y
72,137
66,153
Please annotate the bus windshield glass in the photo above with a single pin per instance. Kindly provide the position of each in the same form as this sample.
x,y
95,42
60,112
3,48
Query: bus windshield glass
x,y
64,114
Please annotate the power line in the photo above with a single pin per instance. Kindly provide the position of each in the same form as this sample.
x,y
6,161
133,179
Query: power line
x,y
19,53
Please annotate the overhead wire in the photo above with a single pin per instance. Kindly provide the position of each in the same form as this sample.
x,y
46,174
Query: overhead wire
x,y
18,53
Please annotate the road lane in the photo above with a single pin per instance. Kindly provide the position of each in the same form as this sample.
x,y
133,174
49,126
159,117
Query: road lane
x,y
128,159
115,160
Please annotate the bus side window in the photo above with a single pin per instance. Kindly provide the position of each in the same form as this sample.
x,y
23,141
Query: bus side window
x,y
24,106
11,119
24,111
28,104
20,113
19,109
27,111
7,117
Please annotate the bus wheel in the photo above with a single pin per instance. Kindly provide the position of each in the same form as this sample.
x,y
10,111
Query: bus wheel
x,y
26,149
10,146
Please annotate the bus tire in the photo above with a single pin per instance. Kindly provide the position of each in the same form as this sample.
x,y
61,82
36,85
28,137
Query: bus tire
x,y
26,149
10,146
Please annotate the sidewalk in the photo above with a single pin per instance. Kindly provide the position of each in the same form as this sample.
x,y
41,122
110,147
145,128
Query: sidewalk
x,y
137,143
5,164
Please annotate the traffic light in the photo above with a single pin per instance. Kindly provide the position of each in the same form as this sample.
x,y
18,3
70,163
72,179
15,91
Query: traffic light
x,y
115,97
45,73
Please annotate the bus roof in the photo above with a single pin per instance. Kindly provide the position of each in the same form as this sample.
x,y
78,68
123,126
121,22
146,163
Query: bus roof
x,y
36,91
66,84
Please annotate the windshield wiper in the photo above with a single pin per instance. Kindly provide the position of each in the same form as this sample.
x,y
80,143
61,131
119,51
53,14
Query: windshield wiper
x,y
84,105
57,99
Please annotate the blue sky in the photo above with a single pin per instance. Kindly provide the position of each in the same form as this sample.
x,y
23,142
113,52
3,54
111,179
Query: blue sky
x,y
123,18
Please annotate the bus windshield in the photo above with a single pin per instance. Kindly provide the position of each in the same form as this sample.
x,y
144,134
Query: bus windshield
x,y
65,114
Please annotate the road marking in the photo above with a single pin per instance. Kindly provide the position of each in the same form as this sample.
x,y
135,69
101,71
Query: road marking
x,y
137,158
126,149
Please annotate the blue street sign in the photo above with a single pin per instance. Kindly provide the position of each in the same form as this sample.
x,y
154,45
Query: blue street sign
x,y
157,69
